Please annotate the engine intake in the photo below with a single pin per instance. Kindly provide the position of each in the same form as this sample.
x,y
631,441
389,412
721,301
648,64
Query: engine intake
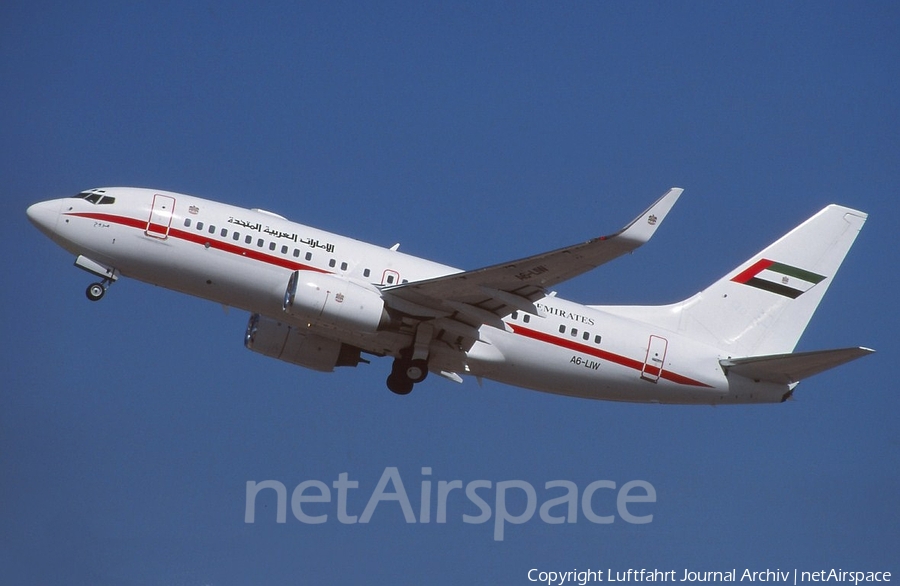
x,y
279,340
334,302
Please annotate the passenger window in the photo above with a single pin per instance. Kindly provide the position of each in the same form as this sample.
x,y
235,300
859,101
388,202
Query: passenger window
x,y
224,233
284,249
260,242
343,266
187,222
308,256
390,279
562,329
596,339
515,315
526,318
199,225
248,239
236,236
574,332
331,263
296,253
212,229
271,246
366,273
587,336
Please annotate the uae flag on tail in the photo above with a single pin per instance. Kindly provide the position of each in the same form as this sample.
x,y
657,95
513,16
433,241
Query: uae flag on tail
x,y
778,278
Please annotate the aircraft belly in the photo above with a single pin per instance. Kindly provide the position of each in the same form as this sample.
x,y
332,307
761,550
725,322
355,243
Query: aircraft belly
x,y
230,280
545,367
193,269
744,390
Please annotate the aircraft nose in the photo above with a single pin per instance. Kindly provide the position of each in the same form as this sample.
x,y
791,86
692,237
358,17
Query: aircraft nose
x,y
44,215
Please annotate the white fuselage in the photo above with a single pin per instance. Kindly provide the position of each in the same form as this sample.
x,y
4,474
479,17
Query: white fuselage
x,y
244,258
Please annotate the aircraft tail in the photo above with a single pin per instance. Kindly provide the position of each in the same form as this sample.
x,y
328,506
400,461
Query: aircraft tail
x,y
787,369
762,306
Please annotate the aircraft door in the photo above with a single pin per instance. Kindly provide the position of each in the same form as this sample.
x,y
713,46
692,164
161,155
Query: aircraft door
x,y
390,277
655,359
160,217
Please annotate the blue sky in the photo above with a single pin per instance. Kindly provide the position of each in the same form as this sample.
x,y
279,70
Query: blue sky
x,y
471,133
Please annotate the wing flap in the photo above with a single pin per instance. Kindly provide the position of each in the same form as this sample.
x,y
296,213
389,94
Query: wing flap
x,y
791,368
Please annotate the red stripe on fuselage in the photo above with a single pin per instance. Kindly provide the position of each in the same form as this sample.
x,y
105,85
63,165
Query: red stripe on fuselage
x,y
113,219
602,354
203,239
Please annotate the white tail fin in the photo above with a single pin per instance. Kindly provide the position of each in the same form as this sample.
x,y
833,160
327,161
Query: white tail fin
x,y
763,306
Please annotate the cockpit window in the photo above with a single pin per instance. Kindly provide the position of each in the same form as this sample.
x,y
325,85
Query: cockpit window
x,y
91,196
96,197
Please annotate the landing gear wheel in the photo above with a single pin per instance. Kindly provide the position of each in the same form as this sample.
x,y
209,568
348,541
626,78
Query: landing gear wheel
x,y
399,384
416,370
95,291
406,372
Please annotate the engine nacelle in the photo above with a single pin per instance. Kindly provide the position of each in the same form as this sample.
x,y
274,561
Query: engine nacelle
x,y
334,302
279,340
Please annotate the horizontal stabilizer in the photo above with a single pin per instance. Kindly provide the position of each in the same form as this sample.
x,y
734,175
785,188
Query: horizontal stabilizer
x,y
791,368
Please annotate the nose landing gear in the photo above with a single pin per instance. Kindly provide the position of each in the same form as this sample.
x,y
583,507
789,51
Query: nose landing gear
x,y
95,291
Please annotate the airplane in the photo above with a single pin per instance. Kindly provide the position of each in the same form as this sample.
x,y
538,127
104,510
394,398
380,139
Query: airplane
x,y
321,300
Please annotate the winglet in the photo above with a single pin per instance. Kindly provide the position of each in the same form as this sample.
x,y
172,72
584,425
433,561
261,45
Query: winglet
x,y
643,227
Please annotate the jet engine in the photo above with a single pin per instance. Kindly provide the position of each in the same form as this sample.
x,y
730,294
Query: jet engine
x,y
278,340
331,301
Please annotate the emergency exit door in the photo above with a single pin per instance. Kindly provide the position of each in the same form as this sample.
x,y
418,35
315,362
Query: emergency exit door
x,y
655,359
160,217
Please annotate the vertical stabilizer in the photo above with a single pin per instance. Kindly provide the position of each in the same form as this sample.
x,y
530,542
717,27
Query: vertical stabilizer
x,y
763,306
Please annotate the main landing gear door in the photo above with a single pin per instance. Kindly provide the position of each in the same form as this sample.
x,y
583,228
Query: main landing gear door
x,y
160,217
656,358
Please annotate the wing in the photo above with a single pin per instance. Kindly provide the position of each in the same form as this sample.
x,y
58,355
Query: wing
x,y
462,302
